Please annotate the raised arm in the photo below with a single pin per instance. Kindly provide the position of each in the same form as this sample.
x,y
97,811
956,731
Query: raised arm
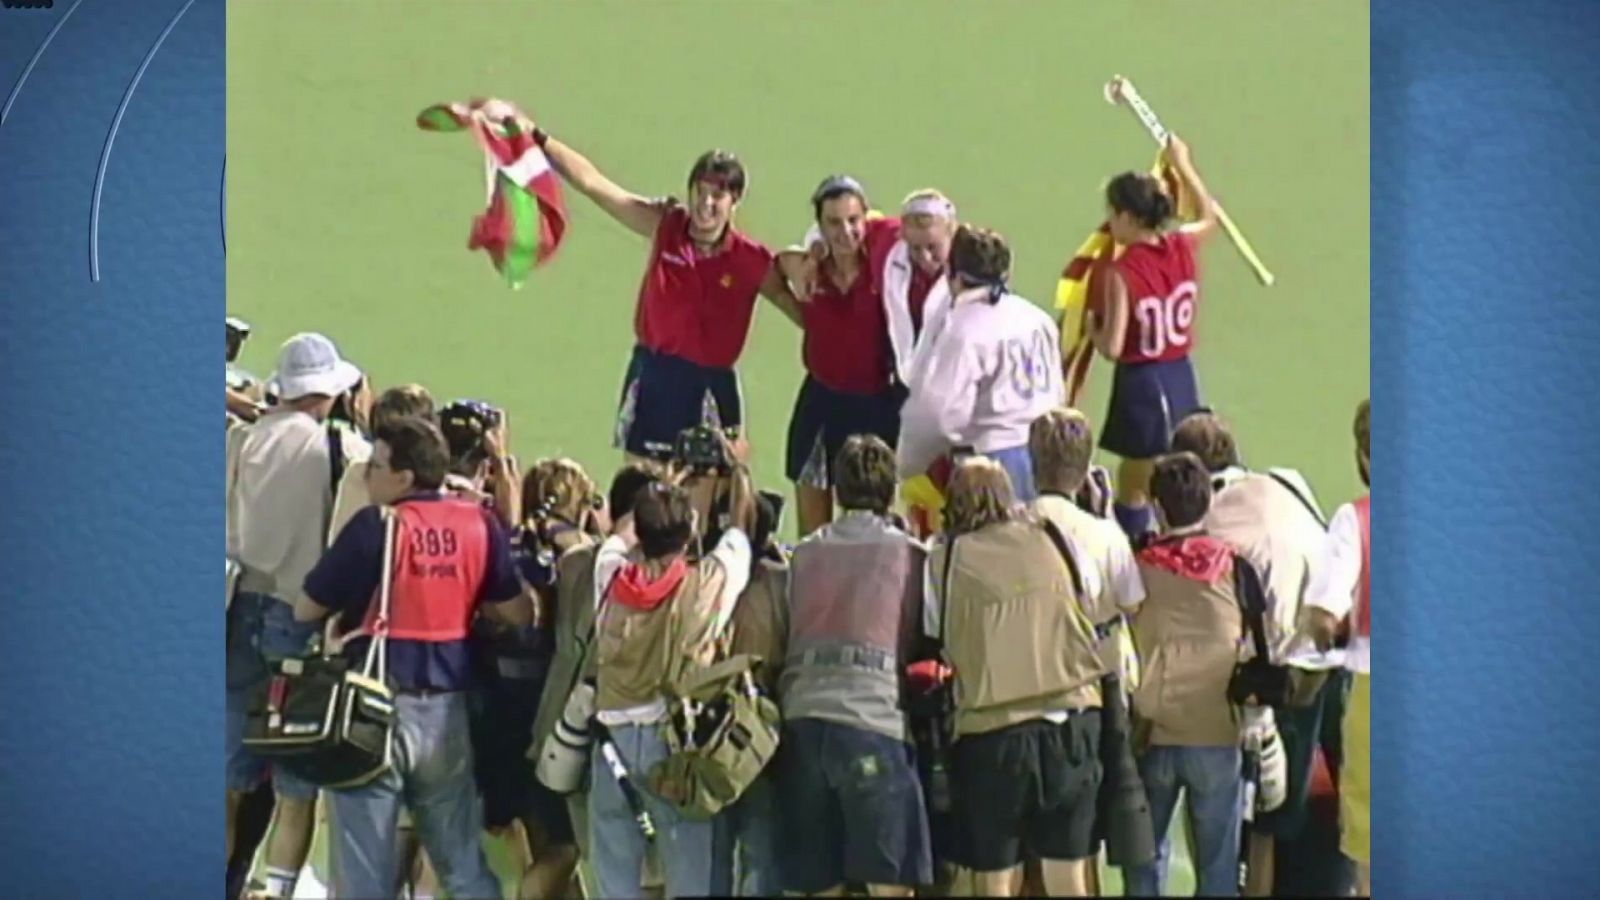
x,y
641,215
1177,154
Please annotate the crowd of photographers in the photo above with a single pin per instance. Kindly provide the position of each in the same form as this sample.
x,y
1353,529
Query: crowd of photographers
x,y
640,675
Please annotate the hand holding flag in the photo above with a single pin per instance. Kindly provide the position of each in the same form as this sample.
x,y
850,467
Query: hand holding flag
x,y
526,215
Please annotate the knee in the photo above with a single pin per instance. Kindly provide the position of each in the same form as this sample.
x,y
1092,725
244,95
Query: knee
x,y
1133,481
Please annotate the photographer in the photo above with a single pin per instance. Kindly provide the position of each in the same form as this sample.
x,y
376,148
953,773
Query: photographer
x,y
746,841
557,516
1187,632
852,804
481,464
468,568
1272,519
280,486
410,400
658,618
1005,605
244,391
576,599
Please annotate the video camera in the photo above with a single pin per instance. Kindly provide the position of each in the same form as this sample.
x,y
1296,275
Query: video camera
x,y
700,450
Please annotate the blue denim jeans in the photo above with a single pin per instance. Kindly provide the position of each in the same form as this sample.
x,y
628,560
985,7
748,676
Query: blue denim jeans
x,y
1209,778
261,630
432,778
745,855
684,846
1019,465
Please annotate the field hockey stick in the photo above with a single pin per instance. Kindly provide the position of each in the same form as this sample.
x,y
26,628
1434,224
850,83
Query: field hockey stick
x,y
1121,90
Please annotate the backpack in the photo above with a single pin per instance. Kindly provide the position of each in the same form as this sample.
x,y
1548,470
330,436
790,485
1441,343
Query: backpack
x,y
723,733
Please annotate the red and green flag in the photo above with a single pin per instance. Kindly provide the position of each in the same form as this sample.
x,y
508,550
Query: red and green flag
x,y
525,218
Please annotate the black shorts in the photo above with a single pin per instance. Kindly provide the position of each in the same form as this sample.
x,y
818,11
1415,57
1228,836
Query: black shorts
x,y
851,809
663,395
824,419
1029,789
1148,400
502,711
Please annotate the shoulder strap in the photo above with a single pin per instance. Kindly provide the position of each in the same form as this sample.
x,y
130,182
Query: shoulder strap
x,y
944,586
1253,602
1060,540
376,665
1304,500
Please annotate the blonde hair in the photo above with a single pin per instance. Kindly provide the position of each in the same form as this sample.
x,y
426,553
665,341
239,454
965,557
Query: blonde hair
x,y
1061,443
924,219
558,487
979,495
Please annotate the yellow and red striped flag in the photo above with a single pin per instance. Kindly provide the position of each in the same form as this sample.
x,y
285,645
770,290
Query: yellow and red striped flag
x,y
1072,292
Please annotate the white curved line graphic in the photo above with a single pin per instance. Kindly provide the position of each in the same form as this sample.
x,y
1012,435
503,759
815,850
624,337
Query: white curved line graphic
x,y
28,69
111,137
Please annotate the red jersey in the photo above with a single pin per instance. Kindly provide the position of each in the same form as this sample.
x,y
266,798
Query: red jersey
x,y
1163,293
698,307
1363,612
441,553
846,346
917,295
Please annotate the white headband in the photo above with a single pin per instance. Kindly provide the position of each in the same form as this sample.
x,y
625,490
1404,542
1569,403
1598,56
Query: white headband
x,y
938,207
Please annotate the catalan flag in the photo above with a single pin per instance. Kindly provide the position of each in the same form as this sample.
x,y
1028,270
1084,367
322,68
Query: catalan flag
x,y
1072,292
526,215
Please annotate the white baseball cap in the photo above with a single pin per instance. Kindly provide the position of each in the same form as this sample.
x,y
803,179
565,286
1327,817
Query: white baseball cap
x,y
308,364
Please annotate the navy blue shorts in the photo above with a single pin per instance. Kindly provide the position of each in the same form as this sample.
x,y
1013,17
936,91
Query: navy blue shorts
x,y
852,809
663,395
1148,400
824,419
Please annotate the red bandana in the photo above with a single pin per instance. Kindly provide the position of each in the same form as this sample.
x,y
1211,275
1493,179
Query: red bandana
x,y
1195,557
634,588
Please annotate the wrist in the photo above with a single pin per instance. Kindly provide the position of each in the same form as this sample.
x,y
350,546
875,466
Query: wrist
x,y
540,137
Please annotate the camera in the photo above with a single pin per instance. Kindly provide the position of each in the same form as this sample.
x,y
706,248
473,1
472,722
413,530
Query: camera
x,y
464,424
238,333
700,449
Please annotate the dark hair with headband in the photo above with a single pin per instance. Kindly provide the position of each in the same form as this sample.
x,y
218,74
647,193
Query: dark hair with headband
x,y
832,188
1142,196
981,258
720,167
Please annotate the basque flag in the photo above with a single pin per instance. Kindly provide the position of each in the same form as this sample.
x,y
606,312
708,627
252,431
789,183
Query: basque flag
x,y
525,218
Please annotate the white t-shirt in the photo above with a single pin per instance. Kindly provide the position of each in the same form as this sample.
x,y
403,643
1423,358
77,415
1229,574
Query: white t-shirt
x,y
280,494
1340,573
994,369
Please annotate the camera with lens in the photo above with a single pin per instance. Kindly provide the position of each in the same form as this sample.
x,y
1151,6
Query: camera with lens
x,y
465,423
701,449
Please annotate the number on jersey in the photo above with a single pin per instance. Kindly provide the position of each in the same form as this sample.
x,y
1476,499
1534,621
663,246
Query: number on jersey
x,y
1029,361
1165,321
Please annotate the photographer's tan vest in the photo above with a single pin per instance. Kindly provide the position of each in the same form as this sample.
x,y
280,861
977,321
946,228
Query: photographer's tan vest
x,y
1187,633
760,624
574,615
1014,630
642,654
